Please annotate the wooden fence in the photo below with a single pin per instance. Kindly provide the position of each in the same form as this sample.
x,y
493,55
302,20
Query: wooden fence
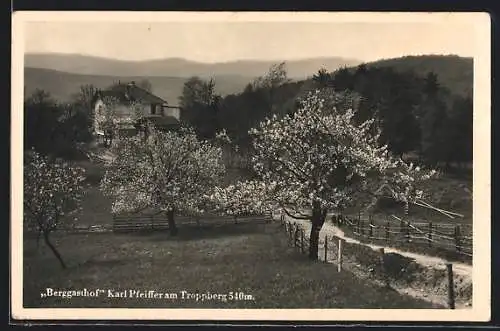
x,y
332,248
451,237
130,223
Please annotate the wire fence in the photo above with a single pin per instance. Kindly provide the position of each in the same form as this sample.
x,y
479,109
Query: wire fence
x,y
385,266
448,236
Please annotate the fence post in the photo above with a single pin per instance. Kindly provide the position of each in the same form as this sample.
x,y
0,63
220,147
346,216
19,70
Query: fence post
x,y
408,231
371,225
152,222
339,262
387,228
326,249
292,233
296,237
235,219
302,248
401,226
361,226
430,234
457,238
382,267
451,292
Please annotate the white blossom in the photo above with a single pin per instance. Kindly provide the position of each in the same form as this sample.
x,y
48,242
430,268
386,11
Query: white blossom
x,y
319,155
168,170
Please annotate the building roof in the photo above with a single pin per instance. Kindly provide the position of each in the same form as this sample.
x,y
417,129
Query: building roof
x,y
130,92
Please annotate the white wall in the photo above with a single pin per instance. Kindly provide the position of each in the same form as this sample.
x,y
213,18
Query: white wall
x,y
124,111
172,112
98,116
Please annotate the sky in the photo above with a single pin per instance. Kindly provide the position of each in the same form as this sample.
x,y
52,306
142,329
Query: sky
x,y
226,40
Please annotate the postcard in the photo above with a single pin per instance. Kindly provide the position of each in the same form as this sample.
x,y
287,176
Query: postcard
x,y
250,166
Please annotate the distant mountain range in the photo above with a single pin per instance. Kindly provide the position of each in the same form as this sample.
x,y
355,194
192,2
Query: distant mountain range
x,y
61,75
62,85
176,67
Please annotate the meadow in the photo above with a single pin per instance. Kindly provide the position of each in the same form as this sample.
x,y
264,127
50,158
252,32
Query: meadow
x,y
254,261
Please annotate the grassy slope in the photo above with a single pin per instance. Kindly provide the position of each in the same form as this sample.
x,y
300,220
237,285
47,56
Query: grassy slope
x,y
253,259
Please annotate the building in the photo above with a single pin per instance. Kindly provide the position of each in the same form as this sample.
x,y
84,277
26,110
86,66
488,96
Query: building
x,y
124,109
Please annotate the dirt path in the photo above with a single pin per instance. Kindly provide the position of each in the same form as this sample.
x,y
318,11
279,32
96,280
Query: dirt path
x,y
459,269
425,260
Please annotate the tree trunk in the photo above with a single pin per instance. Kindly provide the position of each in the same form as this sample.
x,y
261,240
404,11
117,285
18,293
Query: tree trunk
x,y
317,220
171,223
38,239
53,249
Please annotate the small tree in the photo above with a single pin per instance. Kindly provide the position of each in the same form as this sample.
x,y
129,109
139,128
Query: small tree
x,y
322,78
276,76
318,160
200,104
168,171
197,91
52,190
107,118
41,121
85,97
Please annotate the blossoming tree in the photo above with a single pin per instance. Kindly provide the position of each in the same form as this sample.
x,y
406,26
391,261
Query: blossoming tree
x,y
52,191
167,171
318,160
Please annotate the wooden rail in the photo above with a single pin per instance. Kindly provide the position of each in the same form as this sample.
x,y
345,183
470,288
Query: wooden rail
x,y
448,236
129,223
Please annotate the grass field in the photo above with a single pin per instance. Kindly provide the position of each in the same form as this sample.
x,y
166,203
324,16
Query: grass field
x,y
252,259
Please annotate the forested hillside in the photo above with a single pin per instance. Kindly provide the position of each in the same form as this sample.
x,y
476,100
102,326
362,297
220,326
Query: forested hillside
x,y
62,77
454,72
417,115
